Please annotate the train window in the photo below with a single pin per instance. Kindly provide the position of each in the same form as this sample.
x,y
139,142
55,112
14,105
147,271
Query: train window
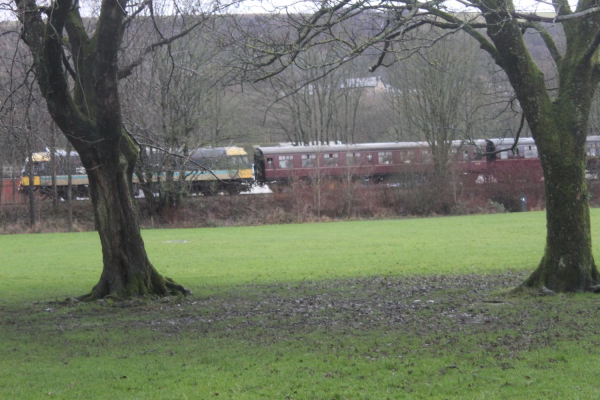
x,y
331,160
530,152
242,161
286,161
309,160
370,158
406,156
269,162
36,168
591,149
466,155
353,158
385,157
426,156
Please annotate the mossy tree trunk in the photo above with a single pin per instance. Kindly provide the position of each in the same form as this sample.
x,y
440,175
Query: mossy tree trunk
x,y
568,263
440,150
559,125
558,121
91,120
127,271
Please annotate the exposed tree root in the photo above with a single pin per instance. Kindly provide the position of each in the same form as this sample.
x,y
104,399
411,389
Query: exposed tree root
x,y
175,288
564,276
86,297
157,286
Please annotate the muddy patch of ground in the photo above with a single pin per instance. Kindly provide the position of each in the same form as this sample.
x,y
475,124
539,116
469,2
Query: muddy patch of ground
x,y
437,307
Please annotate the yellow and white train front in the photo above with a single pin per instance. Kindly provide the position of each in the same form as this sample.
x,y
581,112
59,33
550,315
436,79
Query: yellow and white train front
x,y
220,169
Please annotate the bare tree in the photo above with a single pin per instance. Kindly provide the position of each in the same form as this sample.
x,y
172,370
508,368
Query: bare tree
x,y
310,105
176,104
431,98
24,123
78,71
557,115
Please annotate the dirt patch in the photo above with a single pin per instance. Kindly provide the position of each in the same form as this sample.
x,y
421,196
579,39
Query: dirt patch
x,y
436,307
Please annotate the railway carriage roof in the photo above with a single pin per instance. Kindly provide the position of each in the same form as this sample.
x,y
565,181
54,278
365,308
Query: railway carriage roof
x,y
354,147
45,155
40,157
218,152
393,146
235,151
341,148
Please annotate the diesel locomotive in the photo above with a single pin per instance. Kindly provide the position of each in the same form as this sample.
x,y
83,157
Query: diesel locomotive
x,y
206,170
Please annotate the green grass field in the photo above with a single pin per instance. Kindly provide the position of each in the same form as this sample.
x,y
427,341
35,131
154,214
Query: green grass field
x,y
207,260
359,310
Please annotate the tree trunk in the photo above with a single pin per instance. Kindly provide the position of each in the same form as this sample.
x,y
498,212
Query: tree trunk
x,y
53,164
568,263
14,188
559,125
89,114
127,271
1,182
69,189
31,190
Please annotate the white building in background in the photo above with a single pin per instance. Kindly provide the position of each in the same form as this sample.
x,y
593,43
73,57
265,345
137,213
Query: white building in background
x,y
373,84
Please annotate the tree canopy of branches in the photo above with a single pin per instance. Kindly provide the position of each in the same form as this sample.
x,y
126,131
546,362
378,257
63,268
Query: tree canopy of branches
x,y
558,116
308,107
76,65
176,101
433,97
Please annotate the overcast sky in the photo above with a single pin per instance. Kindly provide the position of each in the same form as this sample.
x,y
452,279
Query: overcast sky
x,y
258,6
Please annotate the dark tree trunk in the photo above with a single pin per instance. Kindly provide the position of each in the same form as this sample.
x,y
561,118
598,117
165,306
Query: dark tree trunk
x,y
69,190
127,270
53,163
170,196
440,154
31,190
14,188
568,263
90,116
559,126
1,182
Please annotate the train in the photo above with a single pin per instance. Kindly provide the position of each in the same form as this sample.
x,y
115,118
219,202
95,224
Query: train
x,y
401,162
206,171
229,170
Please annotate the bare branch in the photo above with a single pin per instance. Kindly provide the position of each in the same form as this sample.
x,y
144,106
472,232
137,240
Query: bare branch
x,y
591,49
562,16
141,8
561,7
128,70
515,143
548,40
68,67
484,43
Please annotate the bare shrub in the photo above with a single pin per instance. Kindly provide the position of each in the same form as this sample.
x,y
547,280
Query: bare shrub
x,y
303,201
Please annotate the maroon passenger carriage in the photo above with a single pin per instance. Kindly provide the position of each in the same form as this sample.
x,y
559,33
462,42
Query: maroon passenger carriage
x,y
397,162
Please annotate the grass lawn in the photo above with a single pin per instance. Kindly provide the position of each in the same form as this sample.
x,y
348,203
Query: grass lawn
x,y
360,310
